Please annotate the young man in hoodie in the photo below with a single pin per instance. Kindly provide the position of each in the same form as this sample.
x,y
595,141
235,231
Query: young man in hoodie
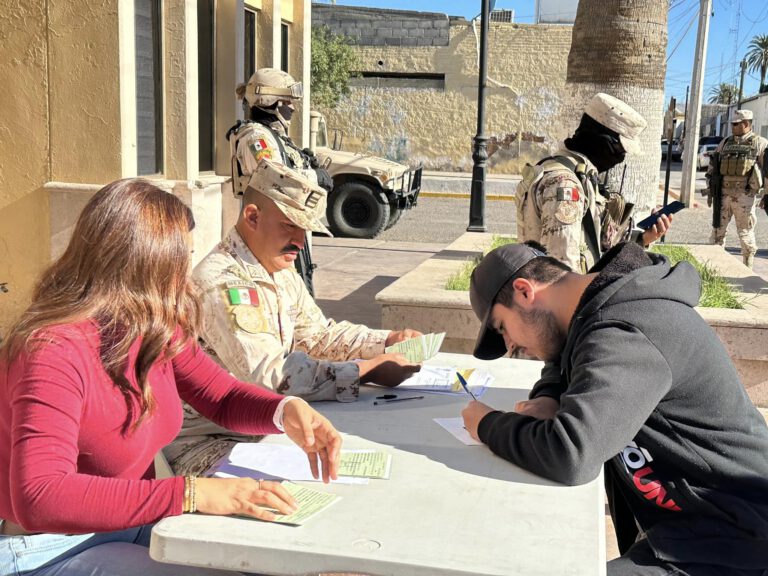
x,y
646,389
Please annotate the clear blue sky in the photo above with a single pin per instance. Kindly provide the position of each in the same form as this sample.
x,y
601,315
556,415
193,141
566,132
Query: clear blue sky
x,y
728,35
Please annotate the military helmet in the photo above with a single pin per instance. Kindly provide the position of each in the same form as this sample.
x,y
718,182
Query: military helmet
x,y
267,86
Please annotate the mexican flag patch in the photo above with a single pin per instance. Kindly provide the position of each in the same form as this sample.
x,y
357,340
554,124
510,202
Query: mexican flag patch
x,y
260,144
247,296
568,193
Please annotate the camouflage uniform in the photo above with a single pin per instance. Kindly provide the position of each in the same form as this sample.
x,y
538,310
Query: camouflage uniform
x,y
262,142
272,337
552,211
740,192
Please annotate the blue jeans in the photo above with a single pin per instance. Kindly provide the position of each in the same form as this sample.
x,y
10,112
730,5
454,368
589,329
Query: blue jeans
x,y
123,553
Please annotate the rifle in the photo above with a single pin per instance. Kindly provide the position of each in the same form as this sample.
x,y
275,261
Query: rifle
x,y
305,267
715,188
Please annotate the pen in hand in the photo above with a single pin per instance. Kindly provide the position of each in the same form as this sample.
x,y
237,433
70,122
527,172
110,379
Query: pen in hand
x,y
465,386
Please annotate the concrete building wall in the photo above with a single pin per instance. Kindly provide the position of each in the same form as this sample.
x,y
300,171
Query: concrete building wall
x,y
419,104
69,116
24,153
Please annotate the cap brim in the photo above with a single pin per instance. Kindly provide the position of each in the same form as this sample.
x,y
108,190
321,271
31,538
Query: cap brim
x,y
630,146
490,344
303,219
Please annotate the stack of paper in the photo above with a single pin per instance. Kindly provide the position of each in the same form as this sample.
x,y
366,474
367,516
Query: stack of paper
x,y
279,462
443,380
418,349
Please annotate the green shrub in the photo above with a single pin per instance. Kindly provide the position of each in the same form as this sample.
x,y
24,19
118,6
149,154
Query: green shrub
x,y
460,279
715,291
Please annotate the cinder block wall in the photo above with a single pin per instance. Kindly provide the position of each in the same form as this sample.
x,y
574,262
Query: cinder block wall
x,y
417,101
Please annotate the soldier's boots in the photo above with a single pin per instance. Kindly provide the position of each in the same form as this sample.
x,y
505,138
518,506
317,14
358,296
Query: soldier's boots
x,y
749,260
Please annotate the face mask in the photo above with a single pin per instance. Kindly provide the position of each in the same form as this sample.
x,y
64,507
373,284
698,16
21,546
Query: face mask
x,y
286,111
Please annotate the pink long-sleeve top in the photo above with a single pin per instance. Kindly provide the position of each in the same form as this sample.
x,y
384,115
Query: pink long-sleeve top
x,y
65,464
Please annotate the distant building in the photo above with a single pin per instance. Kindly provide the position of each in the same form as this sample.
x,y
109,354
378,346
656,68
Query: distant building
x,y
556,11
416,98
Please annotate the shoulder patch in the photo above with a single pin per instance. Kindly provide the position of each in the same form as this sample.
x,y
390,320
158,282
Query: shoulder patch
x,y
239,295
250,319
567,212
569,193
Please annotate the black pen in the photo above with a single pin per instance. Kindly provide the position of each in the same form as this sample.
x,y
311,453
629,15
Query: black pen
x,y
398,400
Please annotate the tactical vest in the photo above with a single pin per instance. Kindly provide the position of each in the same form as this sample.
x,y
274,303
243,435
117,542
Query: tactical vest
x,y
738,159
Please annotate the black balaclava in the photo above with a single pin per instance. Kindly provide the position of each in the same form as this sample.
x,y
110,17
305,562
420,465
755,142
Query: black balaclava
x,y
598,143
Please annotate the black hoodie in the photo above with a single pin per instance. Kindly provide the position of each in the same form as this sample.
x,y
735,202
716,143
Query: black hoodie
x,y
649,390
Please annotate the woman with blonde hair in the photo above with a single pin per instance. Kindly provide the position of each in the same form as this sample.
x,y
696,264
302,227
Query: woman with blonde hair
x,y
92,379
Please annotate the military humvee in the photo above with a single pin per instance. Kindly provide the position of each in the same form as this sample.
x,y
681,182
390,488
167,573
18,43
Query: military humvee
x,y
369,193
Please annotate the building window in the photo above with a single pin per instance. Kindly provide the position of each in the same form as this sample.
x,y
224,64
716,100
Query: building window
x,y
251,40
411,80
206,51
284,39
149,86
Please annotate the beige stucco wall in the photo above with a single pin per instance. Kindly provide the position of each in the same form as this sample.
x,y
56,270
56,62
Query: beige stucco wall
x,y
67,124
84,91
436,127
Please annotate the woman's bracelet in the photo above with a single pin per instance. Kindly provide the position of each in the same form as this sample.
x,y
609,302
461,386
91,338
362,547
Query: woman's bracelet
x,y
190,501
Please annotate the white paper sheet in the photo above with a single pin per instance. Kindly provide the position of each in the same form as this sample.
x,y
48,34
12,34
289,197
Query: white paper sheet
x,y
456,427
270,462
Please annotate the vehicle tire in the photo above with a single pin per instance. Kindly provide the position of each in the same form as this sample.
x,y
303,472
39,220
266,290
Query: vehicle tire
x,y
394,214
355,212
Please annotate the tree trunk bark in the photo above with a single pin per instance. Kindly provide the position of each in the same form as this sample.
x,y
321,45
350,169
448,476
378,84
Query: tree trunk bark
x,y
619,47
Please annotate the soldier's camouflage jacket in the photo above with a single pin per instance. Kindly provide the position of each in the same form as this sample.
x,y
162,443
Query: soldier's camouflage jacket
x,y
268,330
552,211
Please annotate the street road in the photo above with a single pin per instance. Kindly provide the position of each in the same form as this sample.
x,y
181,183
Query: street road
x,y
442,220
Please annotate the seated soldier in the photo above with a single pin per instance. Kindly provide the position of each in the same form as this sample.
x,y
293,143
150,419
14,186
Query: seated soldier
x,y
260,322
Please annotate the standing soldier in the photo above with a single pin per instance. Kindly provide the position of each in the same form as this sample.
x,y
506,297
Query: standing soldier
x,y
562,204
740,162
269,99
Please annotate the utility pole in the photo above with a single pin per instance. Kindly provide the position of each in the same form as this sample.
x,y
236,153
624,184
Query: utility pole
x,y
697,87
480,152
741,83
685,117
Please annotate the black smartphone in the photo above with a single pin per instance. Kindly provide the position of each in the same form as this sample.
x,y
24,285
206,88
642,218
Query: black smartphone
x,y
670,208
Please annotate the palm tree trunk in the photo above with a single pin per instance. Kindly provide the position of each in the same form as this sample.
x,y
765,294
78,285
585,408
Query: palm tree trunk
x,y
619,47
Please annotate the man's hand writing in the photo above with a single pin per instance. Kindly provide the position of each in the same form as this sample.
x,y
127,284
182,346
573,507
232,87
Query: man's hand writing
x,y
472,414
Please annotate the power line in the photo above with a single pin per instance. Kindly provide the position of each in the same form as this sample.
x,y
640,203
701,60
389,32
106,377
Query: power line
x,y
690,23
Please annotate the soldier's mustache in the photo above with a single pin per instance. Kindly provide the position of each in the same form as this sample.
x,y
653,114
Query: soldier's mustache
x,y
290,248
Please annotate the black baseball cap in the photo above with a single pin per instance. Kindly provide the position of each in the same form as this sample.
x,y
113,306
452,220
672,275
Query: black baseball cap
x,y
497,268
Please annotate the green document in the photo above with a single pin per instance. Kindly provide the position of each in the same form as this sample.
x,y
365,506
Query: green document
x,y
310,503
365,464
418,349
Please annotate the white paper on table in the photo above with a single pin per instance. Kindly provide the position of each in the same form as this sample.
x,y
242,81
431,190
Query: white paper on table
x,y
442,380
270,462
456,427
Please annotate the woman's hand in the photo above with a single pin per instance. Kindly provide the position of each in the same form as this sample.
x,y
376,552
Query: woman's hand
x,y
243,496
314,434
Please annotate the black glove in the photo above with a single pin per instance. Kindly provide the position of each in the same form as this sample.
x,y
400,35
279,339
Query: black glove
x,y
312,159
324,179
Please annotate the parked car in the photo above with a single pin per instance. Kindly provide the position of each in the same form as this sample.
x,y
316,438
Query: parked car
x,y
702,158
677,149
